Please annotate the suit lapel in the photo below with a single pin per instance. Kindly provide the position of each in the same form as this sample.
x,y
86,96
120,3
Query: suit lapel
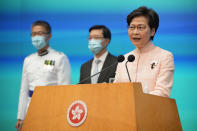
x,y
89,67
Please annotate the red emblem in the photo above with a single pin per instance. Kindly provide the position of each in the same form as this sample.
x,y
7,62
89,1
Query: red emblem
x,y
77,113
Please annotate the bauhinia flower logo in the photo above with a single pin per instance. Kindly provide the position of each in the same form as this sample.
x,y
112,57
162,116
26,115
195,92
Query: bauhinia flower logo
x,y
77,113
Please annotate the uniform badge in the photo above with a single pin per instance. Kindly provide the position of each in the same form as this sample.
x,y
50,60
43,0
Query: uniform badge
x,y
77,113
153,64
49,64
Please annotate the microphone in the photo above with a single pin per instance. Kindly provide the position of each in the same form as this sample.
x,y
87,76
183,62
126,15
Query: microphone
x,y
130,58
120,59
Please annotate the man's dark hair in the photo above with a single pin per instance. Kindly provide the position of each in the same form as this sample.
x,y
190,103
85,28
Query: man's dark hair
x,y
150,14
44,24
106,31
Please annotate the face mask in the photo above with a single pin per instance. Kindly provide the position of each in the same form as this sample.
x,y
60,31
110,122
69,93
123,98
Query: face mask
x,y
95,46
38,41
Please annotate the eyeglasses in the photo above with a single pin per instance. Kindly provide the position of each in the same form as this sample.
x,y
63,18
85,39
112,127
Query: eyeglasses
x,y
139,28
95,37
39,33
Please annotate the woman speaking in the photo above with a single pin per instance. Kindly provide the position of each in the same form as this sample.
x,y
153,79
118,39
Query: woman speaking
x,y
153,66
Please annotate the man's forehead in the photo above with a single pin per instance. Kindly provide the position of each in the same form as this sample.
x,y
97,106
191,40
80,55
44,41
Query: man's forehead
x,y
96,32
38,28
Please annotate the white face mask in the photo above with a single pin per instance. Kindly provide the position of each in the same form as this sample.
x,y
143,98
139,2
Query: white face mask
x,y
95,46
38,41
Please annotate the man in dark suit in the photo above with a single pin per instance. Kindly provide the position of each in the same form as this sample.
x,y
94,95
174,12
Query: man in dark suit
x,y
99,38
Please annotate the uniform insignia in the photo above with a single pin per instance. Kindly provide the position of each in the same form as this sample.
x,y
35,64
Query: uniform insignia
x,y
77,113
49,64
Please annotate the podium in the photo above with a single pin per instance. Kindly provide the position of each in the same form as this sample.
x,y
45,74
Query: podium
x,y
110,107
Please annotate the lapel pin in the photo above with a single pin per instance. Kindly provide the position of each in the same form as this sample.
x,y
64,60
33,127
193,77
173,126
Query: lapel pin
x,y
153,64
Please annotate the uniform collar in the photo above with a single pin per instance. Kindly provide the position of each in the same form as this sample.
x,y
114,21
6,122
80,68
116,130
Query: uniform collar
x,y
149,46
45,52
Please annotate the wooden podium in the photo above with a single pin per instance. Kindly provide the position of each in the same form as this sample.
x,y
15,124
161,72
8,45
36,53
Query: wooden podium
x,y
110,107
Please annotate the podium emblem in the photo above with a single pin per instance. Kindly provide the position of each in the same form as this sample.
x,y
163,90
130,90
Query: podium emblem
x,y
77,113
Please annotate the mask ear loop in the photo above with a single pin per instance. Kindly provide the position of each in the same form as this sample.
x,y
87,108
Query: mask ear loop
x,y
106,44
47,39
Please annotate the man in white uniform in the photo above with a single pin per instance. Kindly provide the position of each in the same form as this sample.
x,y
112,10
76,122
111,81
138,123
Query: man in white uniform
x,y
43,68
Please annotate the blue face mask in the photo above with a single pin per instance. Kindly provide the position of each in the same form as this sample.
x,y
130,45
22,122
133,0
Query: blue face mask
x,y
38,41
95,46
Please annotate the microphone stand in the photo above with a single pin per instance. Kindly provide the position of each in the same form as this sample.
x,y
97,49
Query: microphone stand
x,y
127,71
97,73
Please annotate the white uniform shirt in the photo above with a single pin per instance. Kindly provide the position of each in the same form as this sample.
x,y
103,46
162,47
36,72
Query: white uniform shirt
x,y
50,69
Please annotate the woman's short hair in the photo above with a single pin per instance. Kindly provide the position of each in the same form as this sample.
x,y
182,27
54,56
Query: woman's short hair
x,y
150,14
